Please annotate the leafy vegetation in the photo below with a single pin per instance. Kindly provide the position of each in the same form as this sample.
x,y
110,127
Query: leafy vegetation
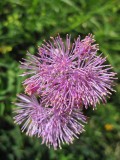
x,y
23,26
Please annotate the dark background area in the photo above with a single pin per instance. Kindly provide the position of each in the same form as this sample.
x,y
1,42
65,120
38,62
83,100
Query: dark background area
x,y
24,24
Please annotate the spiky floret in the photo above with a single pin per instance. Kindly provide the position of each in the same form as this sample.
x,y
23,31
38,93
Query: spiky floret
x,y
63,128
28,113
70,74
53,126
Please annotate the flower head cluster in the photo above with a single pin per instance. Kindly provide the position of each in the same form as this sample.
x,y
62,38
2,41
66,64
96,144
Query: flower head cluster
x,y
65,78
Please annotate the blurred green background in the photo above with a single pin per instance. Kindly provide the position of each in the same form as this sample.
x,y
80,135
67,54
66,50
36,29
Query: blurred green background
x,y
23,26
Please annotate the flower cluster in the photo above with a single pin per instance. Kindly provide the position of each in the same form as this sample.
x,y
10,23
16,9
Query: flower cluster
x,y
63,79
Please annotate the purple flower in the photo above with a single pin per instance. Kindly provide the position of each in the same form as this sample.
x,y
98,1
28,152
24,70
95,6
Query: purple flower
x,y
69,75
54,127
65,78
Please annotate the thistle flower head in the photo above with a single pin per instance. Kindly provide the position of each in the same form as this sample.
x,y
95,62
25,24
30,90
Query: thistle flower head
x,y
65,78
54,127
72,74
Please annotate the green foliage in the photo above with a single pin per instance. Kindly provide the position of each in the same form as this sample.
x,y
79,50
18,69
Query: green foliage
x,y
23,26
